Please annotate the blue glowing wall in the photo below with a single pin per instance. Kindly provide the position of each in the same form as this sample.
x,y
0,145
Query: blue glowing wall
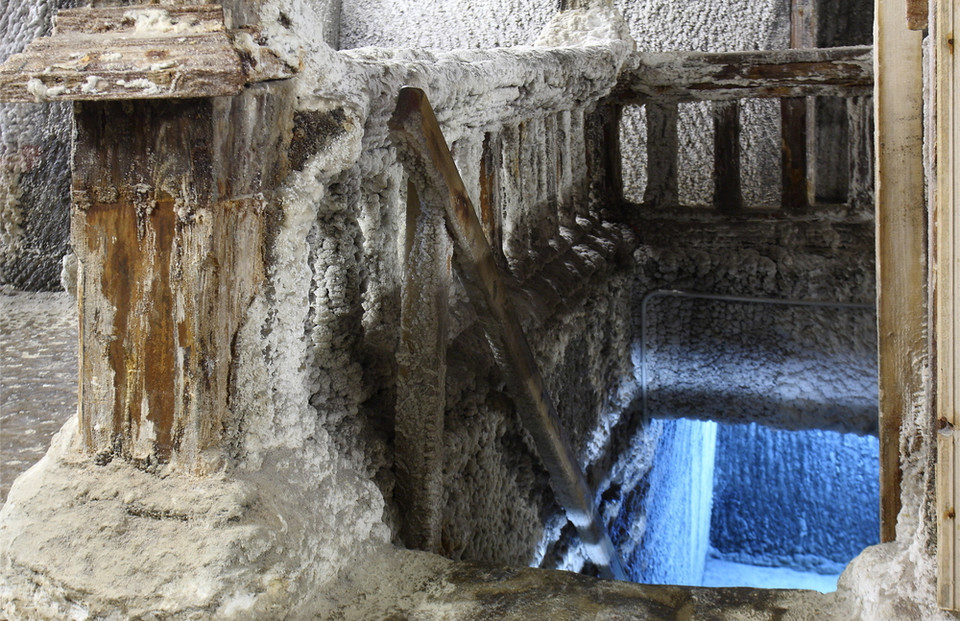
x,y
801,499
675,536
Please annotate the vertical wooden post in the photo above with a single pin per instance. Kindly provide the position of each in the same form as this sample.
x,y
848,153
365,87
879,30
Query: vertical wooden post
x,y
167,223
603,156
946,300
860,154
796,115
491,166
901,240
727,193
421,377
662,155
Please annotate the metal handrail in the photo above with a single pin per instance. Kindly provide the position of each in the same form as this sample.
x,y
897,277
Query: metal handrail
x,y
423,152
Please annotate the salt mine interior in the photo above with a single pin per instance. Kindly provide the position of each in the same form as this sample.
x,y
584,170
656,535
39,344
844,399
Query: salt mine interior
x,y
589,309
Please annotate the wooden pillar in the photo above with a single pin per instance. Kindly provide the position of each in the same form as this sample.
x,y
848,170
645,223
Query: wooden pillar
x,y
662,155
167,224
727,193
946,302
796,115
901,241
603,156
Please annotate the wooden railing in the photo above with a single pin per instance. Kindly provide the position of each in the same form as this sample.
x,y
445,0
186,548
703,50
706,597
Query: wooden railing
x,y
438,200
663,81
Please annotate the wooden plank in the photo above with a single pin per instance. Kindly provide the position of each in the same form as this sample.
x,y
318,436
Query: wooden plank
x,y
699,76
793,152
860,158
803,23
423,150
797,115
946,302
727,192
138,53
901,242
662,155
491,166
421,374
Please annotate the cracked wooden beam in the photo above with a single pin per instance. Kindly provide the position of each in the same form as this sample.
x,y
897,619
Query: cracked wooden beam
x,y
700,76
146,52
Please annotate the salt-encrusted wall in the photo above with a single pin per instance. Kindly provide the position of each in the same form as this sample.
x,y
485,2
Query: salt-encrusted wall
x,y
806,500
34,165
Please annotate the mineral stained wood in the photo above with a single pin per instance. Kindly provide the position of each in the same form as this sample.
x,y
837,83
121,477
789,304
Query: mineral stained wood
x,y
699,76
145,52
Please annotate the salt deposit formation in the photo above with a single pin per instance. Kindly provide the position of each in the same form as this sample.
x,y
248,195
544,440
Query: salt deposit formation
x,y
366,309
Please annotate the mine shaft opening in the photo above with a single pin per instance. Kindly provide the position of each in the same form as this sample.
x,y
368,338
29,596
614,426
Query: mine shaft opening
x,y
764,467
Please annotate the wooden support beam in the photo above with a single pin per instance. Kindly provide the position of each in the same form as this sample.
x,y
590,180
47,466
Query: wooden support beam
x,y
946,302
699,76
727,192
860,156
901,242
491,216
423,150
793,152
141,52
604,164
170,253
421,375
662,155
797,115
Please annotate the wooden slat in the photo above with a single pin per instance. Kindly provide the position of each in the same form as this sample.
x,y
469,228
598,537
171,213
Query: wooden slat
x,y
793,152
698,76
662,155
901,247
797,115
727,193
148,52
491,165
860,159
423,150
946,285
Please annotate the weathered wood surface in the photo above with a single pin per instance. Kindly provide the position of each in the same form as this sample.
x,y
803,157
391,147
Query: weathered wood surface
x,y
663,155
793,152
170,254
700,76
918,13
423,151
901,243
727,190
146,52
946,300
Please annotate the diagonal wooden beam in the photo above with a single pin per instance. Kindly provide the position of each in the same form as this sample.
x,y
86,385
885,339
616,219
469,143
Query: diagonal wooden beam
x,y
424,153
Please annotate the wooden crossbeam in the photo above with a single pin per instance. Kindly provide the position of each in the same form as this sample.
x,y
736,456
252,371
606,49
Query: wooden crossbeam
x,y
700,76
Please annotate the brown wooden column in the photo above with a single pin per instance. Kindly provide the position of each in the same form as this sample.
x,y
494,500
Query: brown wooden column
x,y
168,227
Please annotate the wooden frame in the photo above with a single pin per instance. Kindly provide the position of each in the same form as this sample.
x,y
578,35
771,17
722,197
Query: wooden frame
x,y
946,301
901,241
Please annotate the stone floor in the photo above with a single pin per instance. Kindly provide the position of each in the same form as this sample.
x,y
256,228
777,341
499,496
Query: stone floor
x,y
38,376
